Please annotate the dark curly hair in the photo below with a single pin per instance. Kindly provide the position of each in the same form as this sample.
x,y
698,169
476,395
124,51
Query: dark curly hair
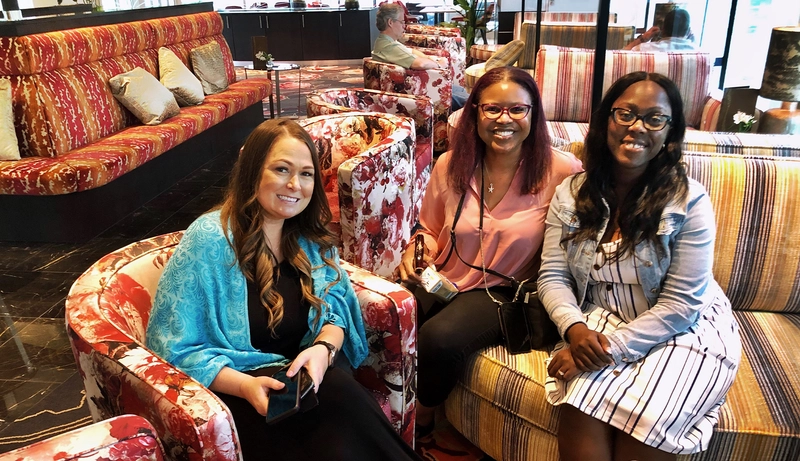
x,y
469,148
664,179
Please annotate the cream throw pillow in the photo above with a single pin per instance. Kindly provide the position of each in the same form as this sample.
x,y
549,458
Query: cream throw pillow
x,y
506,56
143,95
178,79
9,150
209,67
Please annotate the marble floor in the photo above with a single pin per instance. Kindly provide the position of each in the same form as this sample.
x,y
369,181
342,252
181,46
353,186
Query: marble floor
x,y
35,355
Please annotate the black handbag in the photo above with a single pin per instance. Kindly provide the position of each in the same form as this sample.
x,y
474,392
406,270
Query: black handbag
x,y
526,325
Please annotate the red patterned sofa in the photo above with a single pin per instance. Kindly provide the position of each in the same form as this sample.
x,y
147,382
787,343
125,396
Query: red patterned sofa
x,y
419,108
367,162
122,438
86,161
107,311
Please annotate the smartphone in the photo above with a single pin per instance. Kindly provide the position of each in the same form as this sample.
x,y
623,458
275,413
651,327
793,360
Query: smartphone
x,y
419,253
294,397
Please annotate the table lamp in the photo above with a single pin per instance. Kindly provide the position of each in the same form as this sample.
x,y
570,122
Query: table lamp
x,y
782,82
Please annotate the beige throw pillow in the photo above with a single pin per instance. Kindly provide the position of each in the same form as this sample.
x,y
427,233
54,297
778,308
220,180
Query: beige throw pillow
x,y
9,150
178,79
143,95
506,56
209,67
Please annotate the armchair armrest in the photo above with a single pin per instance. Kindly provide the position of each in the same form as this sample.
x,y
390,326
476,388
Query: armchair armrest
x,y
375,200
121,438
121,376
390,318
436,84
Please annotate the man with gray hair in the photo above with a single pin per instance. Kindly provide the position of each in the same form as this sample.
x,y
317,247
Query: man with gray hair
x,y
390,21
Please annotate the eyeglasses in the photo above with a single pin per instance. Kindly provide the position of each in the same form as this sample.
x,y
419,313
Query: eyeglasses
x,y
397,20
651,122
494,111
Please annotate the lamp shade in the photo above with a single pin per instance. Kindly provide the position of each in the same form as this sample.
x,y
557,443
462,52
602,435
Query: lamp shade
x,y
782,71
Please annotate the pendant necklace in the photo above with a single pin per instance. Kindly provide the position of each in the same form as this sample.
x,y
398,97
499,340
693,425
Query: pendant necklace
x,y
486,172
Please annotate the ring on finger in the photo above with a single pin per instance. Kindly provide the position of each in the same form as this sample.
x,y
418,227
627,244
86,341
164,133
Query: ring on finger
x,y
561,373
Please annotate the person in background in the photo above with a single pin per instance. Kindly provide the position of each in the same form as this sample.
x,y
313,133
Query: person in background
x,y
501,167
255,284
650,346
390,21
674,35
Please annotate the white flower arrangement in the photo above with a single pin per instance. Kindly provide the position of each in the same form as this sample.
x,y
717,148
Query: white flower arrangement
x,y
743,121
262,56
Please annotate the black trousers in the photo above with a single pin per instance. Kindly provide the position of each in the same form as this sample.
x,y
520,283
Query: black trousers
x,y
449,334
348,424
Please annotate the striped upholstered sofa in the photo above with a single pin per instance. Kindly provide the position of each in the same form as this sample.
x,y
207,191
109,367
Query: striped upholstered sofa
x,y
107,310
499,402
86,160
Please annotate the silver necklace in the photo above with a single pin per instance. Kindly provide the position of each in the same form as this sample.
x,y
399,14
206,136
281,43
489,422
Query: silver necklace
x,y
486,171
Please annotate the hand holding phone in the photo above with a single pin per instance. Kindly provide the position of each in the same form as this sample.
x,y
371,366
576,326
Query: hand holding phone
x,y
296,396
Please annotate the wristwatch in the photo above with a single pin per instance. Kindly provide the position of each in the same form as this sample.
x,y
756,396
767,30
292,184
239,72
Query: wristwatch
x,y
331,350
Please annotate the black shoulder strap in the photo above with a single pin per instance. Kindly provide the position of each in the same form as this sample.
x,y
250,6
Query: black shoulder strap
x,y
453,229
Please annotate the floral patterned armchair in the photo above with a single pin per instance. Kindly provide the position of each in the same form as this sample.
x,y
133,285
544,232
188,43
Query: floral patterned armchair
x,y
107,311
456,48
436,84
419,108
425,29
367,162
122,438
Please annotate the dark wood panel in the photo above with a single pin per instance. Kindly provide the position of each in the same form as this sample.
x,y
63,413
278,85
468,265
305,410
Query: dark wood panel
x,y
355,37
244,27
284,36
320,35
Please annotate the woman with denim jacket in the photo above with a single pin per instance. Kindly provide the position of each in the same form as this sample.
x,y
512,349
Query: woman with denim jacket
x,y
651,346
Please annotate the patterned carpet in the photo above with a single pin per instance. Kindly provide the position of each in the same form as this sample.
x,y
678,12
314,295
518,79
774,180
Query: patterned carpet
x,y
296,84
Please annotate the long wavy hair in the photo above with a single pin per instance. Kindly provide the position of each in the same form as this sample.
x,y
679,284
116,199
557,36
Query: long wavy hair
x,y
469,149
663,180
244,217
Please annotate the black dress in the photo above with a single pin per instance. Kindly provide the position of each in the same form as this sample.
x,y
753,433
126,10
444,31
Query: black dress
x,y
347,424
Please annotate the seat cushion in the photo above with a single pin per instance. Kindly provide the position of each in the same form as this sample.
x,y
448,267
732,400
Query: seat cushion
x,y
499,402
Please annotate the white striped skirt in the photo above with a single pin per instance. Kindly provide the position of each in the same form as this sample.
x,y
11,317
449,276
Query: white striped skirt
x,y
669,399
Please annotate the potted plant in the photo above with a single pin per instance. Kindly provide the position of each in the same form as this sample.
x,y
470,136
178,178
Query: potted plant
x,y
263,61
473,10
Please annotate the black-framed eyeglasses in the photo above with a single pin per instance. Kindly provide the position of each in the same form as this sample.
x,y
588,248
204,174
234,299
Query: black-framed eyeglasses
x,y
495,111
652,122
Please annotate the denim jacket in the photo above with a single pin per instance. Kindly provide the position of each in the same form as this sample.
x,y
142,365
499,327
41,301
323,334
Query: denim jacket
x,y
678,287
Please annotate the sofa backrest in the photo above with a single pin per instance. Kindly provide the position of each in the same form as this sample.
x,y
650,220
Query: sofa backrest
x,y
60,92
561,16
572,35
433,30
564,77
455,46
756,203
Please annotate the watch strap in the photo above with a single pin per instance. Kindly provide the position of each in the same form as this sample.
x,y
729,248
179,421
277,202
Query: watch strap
x,y
331,350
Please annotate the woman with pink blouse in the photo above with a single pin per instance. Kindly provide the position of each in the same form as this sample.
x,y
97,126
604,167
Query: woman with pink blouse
x,y
489,195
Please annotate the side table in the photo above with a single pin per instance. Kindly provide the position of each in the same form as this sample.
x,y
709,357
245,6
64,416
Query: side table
x,y
277,67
